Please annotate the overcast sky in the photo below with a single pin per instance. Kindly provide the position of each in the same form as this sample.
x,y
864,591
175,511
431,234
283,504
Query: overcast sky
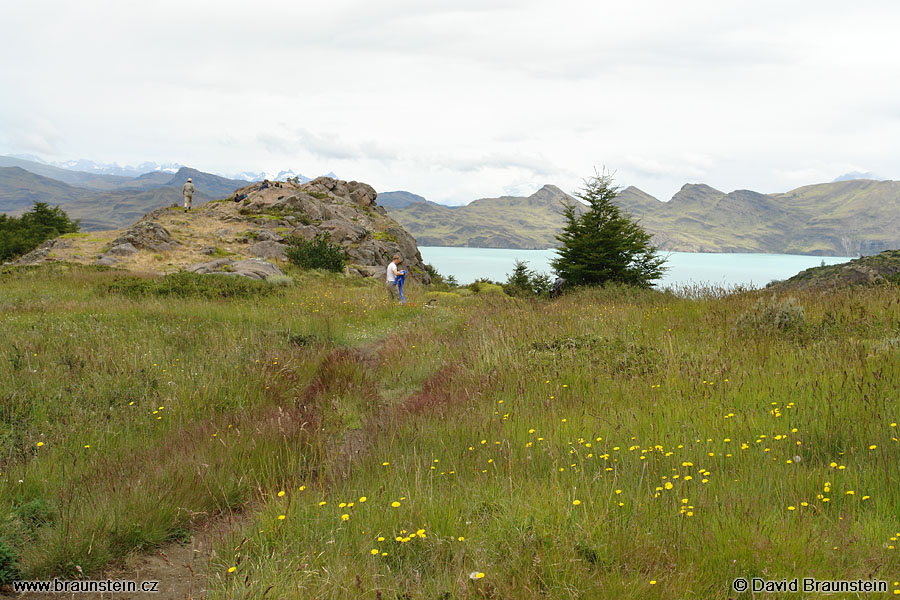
x,y
461,99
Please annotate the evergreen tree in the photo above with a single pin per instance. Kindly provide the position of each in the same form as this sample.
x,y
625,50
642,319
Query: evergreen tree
x,y
602,244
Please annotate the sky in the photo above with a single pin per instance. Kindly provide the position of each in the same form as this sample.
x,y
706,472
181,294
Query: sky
x,y
463,99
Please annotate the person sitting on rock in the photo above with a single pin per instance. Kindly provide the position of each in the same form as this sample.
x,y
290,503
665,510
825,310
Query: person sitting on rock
x,y
264,185
392,273
188,192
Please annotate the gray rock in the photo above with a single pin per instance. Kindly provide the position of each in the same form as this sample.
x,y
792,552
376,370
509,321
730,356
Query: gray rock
x,y
42,252
268,249
255,269
307,232
147,235
251,268
343,231
208,250
208,267
264,235
107,260
125,249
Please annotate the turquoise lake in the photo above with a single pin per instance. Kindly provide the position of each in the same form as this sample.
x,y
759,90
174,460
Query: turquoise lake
x,y
685,268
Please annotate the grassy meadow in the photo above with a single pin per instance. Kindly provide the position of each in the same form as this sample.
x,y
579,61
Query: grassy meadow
x,y
614,443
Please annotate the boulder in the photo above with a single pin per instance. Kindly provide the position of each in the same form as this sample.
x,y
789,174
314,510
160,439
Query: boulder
x,y
125,249
147,235
343,231
255,269
268,249
251,268
263,235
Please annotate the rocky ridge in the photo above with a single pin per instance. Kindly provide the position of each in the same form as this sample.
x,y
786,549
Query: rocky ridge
x,y
252,225
882,268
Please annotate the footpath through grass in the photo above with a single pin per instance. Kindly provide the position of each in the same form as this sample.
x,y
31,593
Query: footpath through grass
x,y
114,411
614,444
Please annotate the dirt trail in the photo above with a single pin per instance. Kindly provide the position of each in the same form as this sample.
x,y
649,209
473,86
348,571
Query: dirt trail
x,y
183,569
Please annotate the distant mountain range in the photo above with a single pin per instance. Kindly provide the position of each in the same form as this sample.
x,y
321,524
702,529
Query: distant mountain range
x,y
95,168
847,217
505,222
102,201
843,218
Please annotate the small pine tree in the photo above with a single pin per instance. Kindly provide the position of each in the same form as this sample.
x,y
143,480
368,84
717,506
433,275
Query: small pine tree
x,y
602,244
523,282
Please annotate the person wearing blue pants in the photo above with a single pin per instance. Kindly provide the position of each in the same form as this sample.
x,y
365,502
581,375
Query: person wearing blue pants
x,y
393,286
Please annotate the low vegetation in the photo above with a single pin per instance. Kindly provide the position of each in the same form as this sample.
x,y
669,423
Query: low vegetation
x,y
317,253
616,443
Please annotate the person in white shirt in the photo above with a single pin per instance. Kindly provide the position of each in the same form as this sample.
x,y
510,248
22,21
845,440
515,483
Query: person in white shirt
x,y
392,273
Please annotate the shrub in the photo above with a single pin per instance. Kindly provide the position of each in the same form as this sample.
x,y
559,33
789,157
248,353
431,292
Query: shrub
x,y
280,280
438,281
523,282
317,253
187,285
784,315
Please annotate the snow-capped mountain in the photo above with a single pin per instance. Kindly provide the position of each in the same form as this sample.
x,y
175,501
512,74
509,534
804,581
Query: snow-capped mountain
x,y
89,166
270,175
274,176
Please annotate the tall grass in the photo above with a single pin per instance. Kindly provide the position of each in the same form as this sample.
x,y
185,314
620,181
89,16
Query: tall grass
x,y
615,443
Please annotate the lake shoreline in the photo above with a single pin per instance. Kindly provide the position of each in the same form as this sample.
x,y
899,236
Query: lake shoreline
x,y
723,269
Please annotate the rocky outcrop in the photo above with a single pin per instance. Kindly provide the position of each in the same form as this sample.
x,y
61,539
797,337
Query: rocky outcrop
x,y
868,270
147,235
42,252
253,224
346,211
252,269
268,249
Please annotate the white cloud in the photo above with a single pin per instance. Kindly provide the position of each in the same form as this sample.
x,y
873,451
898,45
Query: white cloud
x,y
463,99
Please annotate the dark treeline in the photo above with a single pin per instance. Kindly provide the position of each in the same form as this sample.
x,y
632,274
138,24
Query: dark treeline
x,y
20,235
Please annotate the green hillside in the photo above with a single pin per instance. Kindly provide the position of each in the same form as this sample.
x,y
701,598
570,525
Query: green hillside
x,y
832,219
92,181
19,189
505,222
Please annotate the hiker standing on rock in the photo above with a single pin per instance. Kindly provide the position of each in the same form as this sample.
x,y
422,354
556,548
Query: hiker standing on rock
x,y
392,273
188,192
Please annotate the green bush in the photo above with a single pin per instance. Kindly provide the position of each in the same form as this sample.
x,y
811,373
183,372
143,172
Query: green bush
x,y
280,280
190,285
317,253
785,315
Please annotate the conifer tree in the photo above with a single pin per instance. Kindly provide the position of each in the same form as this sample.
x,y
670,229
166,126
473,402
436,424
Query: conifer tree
x,y
601,244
